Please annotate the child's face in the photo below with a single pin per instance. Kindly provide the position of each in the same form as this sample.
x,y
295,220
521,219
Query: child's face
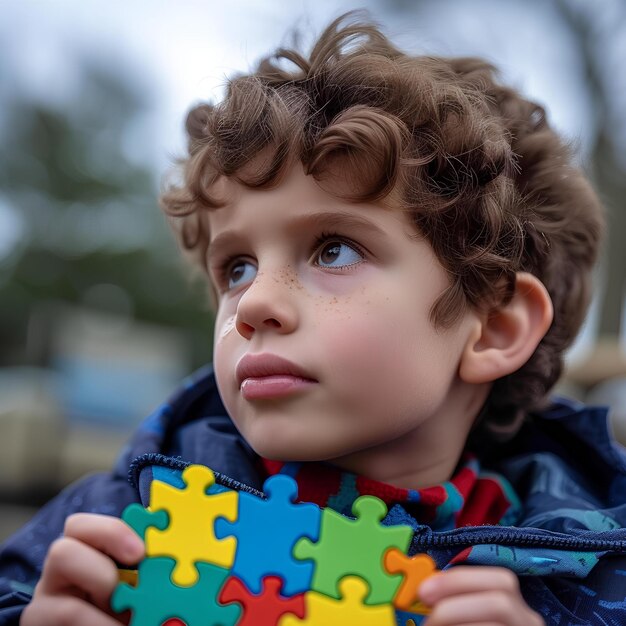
x,y
343,291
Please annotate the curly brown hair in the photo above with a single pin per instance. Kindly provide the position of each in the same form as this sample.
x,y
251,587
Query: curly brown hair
x,y
485,179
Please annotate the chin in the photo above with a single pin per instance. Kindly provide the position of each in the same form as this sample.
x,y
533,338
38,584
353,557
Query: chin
x,y
274,452
276,449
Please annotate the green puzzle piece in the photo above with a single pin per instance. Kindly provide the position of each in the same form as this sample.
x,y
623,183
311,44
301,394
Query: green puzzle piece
x,y
156,598
355,548
140,519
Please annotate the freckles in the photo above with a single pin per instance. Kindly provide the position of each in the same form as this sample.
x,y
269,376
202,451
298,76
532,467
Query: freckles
x,y
289,277
330,313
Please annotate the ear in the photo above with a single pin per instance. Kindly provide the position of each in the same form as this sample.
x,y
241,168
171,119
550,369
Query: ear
x,y
506,338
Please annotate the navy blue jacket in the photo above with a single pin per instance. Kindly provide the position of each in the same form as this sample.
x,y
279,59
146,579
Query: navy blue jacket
x,y
569,550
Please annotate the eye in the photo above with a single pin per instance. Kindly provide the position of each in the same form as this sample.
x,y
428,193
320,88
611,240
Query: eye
x,y
338,254
239,273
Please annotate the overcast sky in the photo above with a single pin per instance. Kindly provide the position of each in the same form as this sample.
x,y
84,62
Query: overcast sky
x,y
186,48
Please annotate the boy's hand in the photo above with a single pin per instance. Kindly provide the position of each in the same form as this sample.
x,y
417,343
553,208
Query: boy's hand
x,y
489,596
79,574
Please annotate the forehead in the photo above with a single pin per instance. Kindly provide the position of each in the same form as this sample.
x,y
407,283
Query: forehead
x,y
299,201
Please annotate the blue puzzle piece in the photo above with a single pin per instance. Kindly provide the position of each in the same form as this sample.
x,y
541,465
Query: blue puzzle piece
x,y
404,618
265,549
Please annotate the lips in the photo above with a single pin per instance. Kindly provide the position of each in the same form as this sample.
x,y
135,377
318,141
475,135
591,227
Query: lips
x,y
267,365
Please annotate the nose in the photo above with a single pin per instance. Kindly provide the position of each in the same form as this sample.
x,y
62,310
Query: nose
x,y
268,305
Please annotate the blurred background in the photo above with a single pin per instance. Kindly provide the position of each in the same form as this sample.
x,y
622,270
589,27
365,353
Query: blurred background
x,y
99,320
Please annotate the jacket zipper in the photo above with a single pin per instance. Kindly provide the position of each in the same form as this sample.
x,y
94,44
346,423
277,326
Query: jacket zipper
x,y
423,536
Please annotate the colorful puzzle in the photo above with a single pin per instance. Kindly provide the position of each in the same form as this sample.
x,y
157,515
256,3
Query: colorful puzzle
x,y
217,557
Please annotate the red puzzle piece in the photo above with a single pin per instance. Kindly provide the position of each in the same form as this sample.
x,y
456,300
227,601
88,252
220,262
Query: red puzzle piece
x,y
264,609
174,622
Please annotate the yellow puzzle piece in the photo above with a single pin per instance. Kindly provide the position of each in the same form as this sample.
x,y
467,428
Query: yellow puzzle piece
x,y
351,610
189,536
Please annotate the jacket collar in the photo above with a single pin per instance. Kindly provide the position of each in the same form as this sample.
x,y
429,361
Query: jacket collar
x,y
549,461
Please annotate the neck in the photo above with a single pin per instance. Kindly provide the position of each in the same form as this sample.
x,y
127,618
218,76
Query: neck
x,y
424,456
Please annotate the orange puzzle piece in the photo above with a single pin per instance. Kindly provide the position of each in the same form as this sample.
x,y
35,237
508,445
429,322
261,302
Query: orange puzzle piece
x,y
416,569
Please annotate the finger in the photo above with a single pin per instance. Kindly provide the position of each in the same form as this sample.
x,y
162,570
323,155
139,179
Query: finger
x,y
78,569
487,607
106,534
65,611
470,624
428,623
467,579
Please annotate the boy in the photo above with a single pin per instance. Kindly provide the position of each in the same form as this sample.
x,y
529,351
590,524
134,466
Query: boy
x,y
400,251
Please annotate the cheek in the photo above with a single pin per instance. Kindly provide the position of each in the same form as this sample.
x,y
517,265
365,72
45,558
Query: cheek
x,y
223,327
224,356
384,353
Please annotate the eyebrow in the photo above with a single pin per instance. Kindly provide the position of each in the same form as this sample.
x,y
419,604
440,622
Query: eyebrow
x,y
336,219
326,220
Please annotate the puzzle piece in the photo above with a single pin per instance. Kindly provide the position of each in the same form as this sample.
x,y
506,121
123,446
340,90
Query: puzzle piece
x,y
156,599
409,619
350,569
128,576
350,610
264,609
140,519
355,547
416,569
262,550
190,537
